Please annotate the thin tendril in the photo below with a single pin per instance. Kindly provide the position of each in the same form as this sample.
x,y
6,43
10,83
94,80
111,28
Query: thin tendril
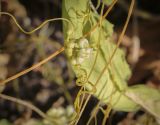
x,y
37,28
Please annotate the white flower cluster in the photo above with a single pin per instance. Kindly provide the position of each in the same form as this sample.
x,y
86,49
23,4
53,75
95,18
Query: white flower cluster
x,y
79,50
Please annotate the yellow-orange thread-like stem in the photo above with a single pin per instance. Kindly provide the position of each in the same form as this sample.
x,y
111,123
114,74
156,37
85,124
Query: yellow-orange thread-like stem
x,y
37,28
33,67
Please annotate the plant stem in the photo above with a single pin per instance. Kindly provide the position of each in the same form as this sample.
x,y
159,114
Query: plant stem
x,y
33,67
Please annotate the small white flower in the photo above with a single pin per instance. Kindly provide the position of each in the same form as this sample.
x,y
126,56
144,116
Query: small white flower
x,y
78,51
83,43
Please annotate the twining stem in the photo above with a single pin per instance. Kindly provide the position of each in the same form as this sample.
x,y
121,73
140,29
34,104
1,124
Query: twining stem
x,y
108,63
33,67
37,28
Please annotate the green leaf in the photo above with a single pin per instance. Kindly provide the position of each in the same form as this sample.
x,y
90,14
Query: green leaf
x,y
146,97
